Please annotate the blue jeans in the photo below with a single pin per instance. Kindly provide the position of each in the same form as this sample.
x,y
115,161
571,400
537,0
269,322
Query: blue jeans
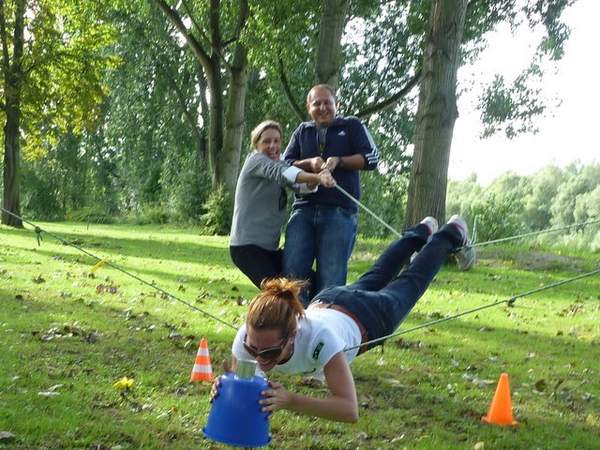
x,y
322,232
381,298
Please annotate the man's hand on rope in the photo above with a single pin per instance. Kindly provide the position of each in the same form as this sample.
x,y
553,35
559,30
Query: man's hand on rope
x,y
331,163
326,179
316,164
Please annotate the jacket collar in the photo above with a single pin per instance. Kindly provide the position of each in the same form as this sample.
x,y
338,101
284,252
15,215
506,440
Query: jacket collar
x,y
338,120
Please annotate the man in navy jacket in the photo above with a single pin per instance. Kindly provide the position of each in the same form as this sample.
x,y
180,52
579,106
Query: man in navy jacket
x,y
323,224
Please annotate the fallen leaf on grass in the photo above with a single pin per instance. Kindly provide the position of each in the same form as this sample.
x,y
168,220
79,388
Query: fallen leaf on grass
x,y
6,436
414,345
106,288
52,391
592,420
396,383
92,338
39,279
397,439
540,385
361,436
479,446
174,335
48,394
477,381
586,396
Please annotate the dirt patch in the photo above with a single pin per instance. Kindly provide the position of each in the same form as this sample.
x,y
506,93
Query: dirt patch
x,y
534,260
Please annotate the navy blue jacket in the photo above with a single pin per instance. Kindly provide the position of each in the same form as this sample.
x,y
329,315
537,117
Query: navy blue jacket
x,y
346,136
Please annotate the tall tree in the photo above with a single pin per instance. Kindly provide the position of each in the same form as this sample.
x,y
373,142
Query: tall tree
x,y
12,67
456,35
329,52
52,60
216,43
437,112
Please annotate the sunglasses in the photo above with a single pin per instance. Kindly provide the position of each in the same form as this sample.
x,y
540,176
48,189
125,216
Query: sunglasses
x,y
269,353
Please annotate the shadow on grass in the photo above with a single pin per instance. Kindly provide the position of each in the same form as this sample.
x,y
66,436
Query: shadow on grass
x,y
139,248
160,364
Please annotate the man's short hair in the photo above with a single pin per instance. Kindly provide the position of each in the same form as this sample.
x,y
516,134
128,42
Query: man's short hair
x,y
327,87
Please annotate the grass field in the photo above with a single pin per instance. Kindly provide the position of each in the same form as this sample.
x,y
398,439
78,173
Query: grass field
x,y
68,335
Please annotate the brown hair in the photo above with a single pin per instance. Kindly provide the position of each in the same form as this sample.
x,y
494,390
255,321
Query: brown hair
x,y
261,128
277,306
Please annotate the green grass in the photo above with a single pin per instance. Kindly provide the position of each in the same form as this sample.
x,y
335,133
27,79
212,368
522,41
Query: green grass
x,y
66,339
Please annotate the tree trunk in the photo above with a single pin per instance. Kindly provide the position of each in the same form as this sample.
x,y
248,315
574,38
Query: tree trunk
x,y
12,151
224,133
229,161
436,113
13,83
202,143
331,28
215,120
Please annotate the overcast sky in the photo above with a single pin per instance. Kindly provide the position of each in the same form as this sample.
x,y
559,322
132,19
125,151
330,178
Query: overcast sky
x,y
569,135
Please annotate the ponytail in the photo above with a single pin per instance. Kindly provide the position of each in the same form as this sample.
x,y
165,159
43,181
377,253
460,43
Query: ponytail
x,y
277,306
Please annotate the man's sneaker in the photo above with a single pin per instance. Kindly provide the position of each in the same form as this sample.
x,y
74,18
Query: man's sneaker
x,y
465,256
431,223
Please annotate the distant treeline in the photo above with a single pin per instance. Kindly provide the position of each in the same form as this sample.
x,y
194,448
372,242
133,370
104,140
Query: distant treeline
x,y
510,205
550,198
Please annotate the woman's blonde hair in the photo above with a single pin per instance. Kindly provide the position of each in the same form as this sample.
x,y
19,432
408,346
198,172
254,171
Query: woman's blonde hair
x,y
277,306
261,128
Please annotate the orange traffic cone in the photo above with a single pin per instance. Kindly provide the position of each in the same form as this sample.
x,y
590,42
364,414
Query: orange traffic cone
x,y
500,412
202,370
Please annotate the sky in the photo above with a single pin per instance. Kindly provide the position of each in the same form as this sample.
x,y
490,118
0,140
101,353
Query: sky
x,y
569,134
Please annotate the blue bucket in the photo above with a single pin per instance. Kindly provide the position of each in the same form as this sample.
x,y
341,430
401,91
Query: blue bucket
x,y
235,417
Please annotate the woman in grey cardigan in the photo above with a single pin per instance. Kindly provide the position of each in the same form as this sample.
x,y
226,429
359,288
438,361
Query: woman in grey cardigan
x,y
261,203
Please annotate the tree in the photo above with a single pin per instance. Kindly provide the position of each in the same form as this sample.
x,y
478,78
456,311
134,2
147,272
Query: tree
x,y
329,51
224,61
437,112
52,59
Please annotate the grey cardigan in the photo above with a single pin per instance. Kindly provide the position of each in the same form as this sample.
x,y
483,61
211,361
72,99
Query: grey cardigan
x,y
258,215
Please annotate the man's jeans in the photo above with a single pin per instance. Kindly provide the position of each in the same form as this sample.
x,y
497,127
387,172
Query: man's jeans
x,y
381,299
321,232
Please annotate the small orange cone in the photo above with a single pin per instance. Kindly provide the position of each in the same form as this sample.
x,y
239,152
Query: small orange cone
x,y
202,370
500,412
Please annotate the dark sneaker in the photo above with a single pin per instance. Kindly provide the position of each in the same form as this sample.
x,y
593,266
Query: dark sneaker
x,y
465,256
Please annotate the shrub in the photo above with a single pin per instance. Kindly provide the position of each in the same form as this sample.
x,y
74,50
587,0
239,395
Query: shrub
x,y
90,214
152,214
218,212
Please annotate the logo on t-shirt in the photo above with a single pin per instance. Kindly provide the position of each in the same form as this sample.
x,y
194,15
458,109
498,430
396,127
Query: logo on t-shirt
x,y
318,349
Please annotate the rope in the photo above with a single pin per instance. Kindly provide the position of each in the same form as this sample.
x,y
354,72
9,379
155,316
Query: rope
x,y
39,232
533,233
479,244
509,301
379,219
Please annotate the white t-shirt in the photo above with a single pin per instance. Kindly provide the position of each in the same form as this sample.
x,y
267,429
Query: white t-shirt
x,y
322,333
